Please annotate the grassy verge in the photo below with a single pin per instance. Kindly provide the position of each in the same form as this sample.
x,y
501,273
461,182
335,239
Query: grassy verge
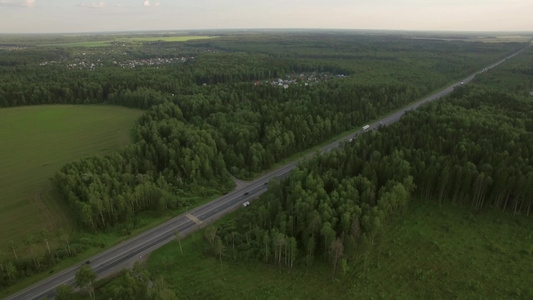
x,y
431,252
450,252
148,220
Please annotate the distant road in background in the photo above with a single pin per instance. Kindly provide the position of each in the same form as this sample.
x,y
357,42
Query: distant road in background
x,y
124,254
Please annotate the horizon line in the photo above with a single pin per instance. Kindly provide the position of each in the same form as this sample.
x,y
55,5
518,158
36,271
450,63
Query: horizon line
x,y
272,29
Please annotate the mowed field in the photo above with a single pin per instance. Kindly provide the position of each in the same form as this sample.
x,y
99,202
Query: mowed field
x,y
35,141
431,252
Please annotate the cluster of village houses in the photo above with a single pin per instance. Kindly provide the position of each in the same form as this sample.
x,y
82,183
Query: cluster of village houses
x,y
11,48
152,62
304,79
90,64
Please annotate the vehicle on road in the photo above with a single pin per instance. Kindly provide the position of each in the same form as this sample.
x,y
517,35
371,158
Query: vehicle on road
x,y
245,204
366,127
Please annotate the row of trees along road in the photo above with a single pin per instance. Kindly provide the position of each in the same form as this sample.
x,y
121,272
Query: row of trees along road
x,y
129,284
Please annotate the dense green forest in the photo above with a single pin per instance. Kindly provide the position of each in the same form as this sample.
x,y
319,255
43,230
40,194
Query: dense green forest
x,y
474,149
235,106
143,75
168,159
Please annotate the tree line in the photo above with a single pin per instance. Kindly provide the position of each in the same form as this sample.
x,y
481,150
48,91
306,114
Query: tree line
x,y
168,162
136,283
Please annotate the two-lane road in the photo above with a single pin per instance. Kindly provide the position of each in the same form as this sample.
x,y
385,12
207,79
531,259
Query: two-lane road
x,y
118,256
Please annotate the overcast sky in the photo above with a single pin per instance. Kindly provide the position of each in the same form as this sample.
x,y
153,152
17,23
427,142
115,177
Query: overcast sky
x,y
38,16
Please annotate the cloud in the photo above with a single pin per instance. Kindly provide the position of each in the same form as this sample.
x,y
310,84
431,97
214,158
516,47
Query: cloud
x,y
93,4
18,3
147,3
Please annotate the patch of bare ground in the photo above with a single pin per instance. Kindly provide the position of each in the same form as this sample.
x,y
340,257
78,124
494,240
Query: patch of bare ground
x,y
239,184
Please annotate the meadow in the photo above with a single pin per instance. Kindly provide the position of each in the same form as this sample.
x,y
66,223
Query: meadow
x,y
38,140
165,38
431,252
73,42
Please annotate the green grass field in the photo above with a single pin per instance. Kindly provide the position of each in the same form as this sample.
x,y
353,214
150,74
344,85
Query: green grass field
x,y
35,142
431,252
165,38
106,43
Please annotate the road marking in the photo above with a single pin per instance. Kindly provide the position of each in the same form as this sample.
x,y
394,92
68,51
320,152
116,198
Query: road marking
x,y
194,219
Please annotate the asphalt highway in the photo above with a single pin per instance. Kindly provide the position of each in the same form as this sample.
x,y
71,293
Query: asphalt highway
x,y
119,256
